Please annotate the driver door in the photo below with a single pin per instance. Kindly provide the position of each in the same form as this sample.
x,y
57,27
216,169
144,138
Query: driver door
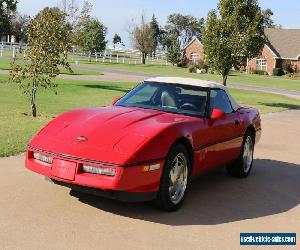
x,y
223,136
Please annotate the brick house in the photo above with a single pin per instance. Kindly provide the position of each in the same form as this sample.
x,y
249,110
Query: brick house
x,y
283,46
193,52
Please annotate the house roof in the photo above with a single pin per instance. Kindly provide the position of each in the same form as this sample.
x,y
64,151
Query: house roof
x,y
190,42
285,43
187,81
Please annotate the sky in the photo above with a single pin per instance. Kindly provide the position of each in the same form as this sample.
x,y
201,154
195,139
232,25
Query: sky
x,y
118,14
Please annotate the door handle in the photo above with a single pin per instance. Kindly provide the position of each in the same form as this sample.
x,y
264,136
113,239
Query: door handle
x,y
237,122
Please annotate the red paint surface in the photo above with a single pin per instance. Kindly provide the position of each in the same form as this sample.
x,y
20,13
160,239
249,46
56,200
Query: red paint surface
x,y
125,137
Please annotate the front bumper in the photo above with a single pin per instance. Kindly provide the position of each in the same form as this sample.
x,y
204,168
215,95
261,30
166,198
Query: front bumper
x,y
111,194
129,180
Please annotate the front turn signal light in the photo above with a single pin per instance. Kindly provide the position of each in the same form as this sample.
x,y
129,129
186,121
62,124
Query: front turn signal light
x,y
151,167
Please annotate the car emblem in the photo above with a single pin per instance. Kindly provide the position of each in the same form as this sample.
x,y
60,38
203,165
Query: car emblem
x,y
81,138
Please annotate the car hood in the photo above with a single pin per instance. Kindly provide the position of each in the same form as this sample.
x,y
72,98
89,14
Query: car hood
x,y
108,134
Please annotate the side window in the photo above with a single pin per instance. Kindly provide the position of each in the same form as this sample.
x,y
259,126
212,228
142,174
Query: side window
x,y
219,100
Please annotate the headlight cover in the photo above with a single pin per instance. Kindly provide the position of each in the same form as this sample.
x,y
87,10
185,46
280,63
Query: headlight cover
x,y
99,170
42,158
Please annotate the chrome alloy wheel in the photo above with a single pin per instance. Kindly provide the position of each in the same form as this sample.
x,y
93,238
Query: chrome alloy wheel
x,y
248,154
178,178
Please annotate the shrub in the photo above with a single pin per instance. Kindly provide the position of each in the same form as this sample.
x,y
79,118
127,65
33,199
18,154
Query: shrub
x,y
287,67
290,75
278,72
257,72
242,69
192,69
199,64
205,66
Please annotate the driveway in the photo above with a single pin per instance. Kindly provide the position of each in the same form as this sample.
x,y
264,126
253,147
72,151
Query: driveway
x,y
112,75
289,93
35,214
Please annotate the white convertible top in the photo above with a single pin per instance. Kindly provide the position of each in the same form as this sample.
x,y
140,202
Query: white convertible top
x,y
195,82
187,81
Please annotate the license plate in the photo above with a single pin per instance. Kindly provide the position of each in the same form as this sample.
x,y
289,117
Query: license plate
x,y
63,169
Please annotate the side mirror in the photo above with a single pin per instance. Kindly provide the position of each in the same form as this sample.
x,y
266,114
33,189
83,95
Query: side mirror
x,y
115,100
217,114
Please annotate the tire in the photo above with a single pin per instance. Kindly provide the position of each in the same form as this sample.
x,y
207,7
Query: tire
x,y
241,168
175,179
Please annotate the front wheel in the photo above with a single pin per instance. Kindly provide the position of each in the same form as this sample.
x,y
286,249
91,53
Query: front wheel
x,y
175,179
242,167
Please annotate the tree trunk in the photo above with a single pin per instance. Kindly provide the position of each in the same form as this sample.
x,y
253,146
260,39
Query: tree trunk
x,y
33,95
225,79
90,56
144,58
65,55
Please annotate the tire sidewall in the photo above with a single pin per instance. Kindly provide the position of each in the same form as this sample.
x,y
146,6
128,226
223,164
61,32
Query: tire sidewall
x,y
243,172
164,199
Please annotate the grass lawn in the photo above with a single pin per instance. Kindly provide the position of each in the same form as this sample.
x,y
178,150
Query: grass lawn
x,y
17,126
5,65
235,77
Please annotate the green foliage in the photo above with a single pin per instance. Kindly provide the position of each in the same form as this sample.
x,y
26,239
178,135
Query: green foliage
x,y
184,26
6,8
49,37
156,33
290,75
178,31
116,40
174,52
287,68
142,36
258,72
19,26
79,21
93,36
192,69
232,34
88,32
278,72
268,21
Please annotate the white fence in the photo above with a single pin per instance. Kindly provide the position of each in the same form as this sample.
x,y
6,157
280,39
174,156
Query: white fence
x,y
9,51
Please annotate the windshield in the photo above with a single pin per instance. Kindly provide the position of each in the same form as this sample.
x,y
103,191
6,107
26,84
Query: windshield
x,y
175,98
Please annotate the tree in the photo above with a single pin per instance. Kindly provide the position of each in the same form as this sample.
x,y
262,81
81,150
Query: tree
x,y
49,37
70,8
93,37
233,34
6,9
185,27
268,21
89,33
79,22
174,52
142,36
116,40
178,31
156,33
19,26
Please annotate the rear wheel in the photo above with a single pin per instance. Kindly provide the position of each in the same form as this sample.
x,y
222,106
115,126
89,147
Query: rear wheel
x,y
242,167
175,179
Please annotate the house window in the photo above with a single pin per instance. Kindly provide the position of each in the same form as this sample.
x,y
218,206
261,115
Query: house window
x,y
261,63
194,58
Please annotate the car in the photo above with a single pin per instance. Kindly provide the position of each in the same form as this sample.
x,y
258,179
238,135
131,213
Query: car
x,y
150,143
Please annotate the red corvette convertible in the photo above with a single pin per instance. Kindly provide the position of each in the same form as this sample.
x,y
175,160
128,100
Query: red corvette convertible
x,y
149,143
